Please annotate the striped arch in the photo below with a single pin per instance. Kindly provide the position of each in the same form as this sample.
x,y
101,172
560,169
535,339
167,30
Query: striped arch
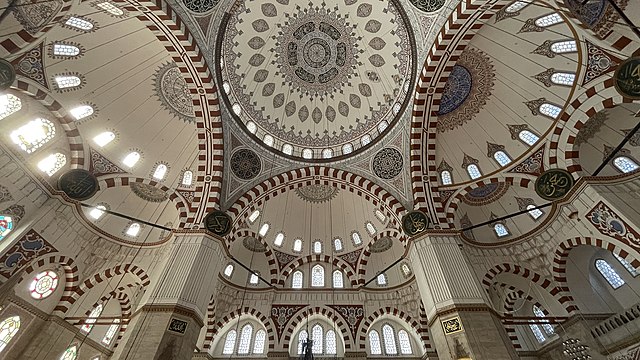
x,y
563,249
211,320
271,258
366,324
573,119
564,298
377,195
301,316
466,19
366,252
173,33
66,302
66,121
267,322
70,271
319,258
110,182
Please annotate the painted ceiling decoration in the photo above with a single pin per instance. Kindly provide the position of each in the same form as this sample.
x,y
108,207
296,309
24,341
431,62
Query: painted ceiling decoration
x,y
599,62
317,193
31,65
485,194
252,244
148,192
387,163
316,82
36,15
245,164
173,93
381,245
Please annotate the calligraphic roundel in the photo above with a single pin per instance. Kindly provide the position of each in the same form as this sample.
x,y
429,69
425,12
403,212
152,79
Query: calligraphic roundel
x,y
415,222
554,184
218,222
78,184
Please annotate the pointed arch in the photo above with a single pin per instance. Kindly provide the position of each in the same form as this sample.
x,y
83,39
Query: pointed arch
x,y
71,272
267,322
319,258
399,315
366,252
301,316
271,258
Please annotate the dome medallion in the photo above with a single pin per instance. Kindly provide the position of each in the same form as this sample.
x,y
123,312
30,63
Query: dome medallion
x,y
315,82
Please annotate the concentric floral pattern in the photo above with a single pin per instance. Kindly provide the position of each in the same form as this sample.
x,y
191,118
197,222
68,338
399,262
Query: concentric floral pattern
x,y
245,164
148,192
428,5
485,194
173,93
200,6
467,90
303,75
317,193
381,245
387,163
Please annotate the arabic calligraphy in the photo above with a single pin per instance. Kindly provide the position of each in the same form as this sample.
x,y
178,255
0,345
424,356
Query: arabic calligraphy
x,y
7,74
554,184
218,223
415,222
452,325
78,184
627,78
178,326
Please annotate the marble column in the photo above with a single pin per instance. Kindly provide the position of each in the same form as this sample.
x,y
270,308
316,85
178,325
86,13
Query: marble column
x,y
167,323
461,322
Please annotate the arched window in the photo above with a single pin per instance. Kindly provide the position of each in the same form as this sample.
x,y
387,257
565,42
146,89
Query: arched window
x,y
245,339
548,20
70,353
52,163
405,343
374,343
382,125
528,137
347,148
406,270
133,230
6,225
110,8
302,337
251,126
625,164
297,245
516,6
547,327
381,279
317,247
535,329
258,344
238,110
296,280
228,271
279,239
550,110
9,104
563,78
8,329
627,265
609,274
254,216
229,343
357,240
33,134
104,138
79,23
160,172
44,284
337,244
287,149
562,47
380,215
81,112
264,229
111,332
317,337
268,140
67,81
97,212
317,276
307,153
131,159
60,49
535,213
337,279
474,171
365,140
330,341
370,228
389,340
253,278
187,178
500,230
91,319
445,177
327,154
502,158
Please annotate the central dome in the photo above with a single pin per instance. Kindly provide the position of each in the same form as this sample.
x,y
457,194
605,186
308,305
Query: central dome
x,y
315,82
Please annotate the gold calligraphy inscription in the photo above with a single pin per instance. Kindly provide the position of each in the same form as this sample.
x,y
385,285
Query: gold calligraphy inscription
x,y
415,222
451,326
7,74
178,326
218,223
78,184
554,184
627,78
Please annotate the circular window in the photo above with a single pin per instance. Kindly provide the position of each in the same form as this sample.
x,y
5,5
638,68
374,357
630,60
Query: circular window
x,y
44,284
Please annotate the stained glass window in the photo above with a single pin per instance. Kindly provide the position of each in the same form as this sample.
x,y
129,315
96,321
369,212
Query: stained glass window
x,y
330,339
374,343
104,138
264,230
187,178
297,245
254,216
44,284
67,81
131,159
33,134
92,318
287,149
347,148
296,280
258,344
52,163
609,273
562,47
473,171
302,336
327,153
111,332
445,177
70,353
550,110
547,327
337,279
502,158
229,342
65,50
537,333
81,112
500,230
317,275
389,340
337,244
627,265
528,137
133,229
625,164
562,78
535,213
8,329
110,8
357,240
245,339
317,247
381,279
160,172
405,343
228,271
370,228
9,104
549,20
317,337
279,239
516,6
79,23
6,225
